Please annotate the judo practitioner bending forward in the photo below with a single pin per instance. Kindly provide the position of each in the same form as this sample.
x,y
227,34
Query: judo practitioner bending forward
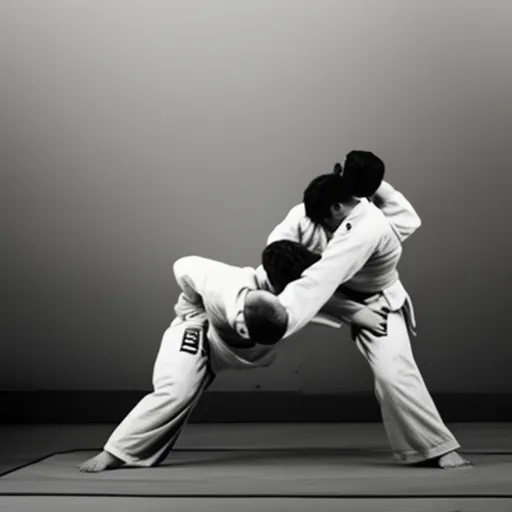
x,y
360,248
226,318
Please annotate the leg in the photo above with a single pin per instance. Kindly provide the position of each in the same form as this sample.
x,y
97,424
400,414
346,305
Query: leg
x,y
181,374
413,425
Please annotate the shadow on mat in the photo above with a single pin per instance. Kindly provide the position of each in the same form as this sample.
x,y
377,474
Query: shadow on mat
x,y
355,457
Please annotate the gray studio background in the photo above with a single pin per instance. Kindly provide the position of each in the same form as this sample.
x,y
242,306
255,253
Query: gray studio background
x,y
136,132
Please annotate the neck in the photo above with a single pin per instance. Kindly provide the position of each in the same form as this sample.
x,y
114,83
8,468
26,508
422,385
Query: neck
x,y
351,203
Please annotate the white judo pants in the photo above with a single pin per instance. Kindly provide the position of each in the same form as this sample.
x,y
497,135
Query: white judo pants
x,y
413,425
180,376
182,372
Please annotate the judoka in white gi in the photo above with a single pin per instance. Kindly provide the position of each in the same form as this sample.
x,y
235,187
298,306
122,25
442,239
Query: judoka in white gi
x,y
226,318
360,249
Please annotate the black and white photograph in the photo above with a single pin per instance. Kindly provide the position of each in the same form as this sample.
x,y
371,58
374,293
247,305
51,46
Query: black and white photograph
x,y
254,255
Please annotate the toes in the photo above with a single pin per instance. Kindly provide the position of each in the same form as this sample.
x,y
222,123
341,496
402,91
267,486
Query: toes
x,y
88,467
457,465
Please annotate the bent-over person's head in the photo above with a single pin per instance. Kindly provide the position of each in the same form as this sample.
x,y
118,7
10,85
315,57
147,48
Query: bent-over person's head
x,y
284,261
265,317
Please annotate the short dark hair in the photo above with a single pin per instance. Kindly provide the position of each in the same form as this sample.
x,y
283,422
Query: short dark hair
x,y
322,192
266,320
284,261
363,173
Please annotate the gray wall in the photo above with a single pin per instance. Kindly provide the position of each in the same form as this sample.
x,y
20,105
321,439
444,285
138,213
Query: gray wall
x,y
136,132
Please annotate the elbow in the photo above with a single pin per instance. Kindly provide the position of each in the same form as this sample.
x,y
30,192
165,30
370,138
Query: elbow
x,y
177,268
417,222
414,222
181,264
413,225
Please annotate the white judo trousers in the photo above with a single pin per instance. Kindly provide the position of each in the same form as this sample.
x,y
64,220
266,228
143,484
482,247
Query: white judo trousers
x,y
412,422
181,374
363,254
183,371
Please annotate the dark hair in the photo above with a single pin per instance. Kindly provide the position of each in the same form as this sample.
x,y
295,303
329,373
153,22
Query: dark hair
x,y
284,261
266,321
321,193
363,173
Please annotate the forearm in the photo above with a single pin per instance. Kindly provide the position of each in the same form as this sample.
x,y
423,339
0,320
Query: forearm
x,y
345,255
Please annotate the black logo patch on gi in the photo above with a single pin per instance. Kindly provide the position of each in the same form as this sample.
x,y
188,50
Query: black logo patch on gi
x,y
190,342
349,226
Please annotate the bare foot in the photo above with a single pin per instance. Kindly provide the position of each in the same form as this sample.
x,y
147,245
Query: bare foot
x,y
450,460
101,462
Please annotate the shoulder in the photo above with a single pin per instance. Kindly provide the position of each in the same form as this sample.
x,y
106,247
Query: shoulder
x,y
367,211
365,220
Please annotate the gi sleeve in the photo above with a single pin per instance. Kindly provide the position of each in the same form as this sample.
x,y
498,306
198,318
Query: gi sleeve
x,y
398,210
289,228
191,274
346,253
339,308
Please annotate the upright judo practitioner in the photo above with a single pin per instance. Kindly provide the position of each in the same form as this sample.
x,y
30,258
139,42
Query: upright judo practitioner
x,y
226,318
360,249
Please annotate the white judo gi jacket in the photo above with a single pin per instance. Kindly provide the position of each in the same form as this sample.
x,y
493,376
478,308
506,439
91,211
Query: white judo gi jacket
x,y
219,290
362,254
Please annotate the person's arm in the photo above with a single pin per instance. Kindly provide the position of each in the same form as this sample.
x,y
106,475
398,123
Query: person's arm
x,y
398,210
184,307
340,309
190,274
344,256
196,276
288,229
190,278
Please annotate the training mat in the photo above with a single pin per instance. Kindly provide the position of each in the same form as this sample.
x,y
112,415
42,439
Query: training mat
x,y
264,473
